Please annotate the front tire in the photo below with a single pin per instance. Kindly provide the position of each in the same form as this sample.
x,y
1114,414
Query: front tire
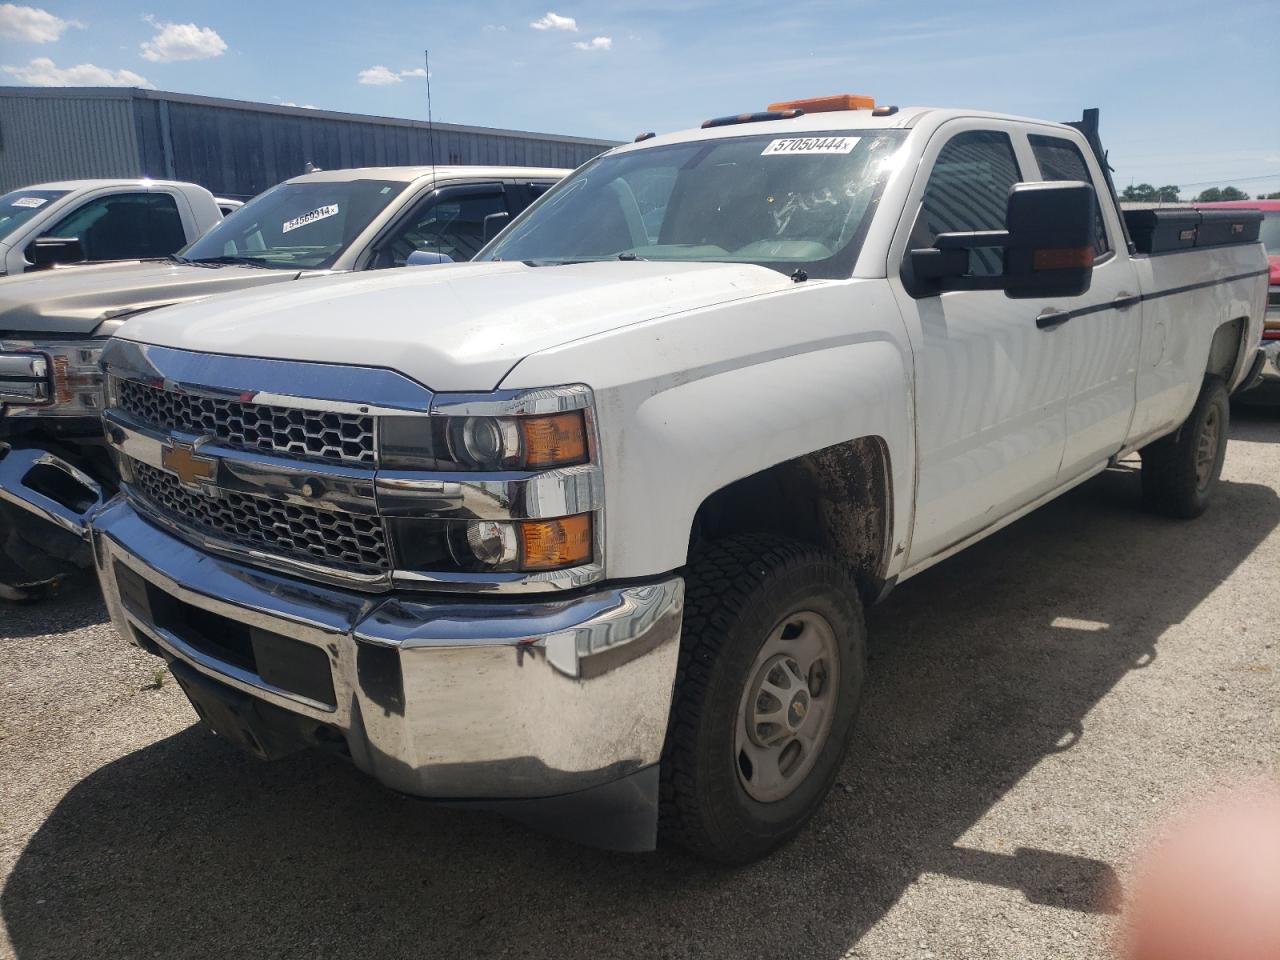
x,y
1180,472
772,660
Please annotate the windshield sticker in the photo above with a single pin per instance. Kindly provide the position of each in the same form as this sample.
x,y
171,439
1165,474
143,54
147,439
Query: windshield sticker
x,y
28,202
795,145
320,213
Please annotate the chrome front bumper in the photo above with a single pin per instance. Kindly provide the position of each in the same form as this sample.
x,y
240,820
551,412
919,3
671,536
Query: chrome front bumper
x,y
442,698
48,487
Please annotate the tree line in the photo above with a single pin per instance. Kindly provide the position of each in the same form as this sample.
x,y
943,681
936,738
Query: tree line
x,y
1146,193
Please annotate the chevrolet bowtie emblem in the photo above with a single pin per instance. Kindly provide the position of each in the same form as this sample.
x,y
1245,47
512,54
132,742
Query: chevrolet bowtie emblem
x,y
183,462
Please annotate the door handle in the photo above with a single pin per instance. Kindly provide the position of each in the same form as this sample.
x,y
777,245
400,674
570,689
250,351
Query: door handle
x,y
1051,318
1124,300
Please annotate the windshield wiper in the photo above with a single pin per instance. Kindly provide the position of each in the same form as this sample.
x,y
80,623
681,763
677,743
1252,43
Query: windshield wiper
x,y
631,256
221,261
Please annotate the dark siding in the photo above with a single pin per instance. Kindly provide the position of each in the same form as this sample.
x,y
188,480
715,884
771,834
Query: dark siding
x,y
234,149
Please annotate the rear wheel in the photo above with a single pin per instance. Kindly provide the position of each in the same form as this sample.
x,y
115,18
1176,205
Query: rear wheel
x,y
771,668
1180,472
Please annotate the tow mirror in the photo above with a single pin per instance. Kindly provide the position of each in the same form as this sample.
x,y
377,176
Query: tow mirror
x,y
494,223
1047,247
423,258
46,251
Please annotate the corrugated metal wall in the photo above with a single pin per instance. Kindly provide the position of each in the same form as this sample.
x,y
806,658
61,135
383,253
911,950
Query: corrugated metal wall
x,y
242,152
65,138
233,148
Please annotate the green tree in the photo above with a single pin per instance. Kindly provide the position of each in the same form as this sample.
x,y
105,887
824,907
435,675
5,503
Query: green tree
x,y
1168,194
1143,193
1271,196
1215,194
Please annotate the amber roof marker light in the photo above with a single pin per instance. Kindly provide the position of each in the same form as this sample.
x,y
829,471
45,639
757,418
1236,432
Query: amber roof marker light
x,y
838,101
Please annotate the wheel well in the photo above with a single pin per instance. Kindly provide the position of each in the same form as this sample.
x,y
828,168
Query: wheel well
x,y
1228,341
837,498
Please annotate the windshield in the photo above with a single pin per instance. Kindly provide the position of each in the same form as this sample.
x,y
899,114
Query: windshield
x,y
20,206
1270,232
295,225
783,202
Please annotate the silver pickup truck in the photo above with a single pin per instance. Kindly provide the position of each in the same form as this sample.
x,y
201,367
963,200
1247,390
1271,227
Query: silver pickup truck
x,y
54,324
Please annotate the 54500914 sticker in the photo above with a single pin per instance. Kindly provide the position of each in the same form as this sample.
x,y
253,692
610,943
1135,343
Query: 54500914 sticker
x,y
319,213
803,145
28,202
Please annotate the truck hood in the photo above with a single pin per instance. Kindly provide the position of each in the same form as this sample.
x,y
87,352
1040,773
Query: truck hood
x,y
75,300
459,327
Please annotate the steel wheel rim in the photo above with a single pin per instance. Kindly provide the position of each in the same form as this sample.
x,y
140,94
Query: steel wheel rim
x,y
1207,448
788,706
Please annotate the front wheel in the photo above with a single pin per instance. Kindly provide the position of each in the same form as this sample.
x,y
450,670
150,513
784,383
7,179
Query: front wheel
x,y
772,659
1180,472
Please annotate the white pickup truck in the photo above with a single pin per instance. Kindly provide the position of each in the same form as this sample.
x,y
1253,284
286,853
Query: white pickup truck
x,y
585,530
85,221
54,323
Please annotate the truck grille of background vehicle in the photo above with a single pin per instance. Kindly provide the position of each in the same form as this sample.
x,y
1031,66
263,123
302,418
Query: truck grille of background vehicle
x,y
348,541
305,434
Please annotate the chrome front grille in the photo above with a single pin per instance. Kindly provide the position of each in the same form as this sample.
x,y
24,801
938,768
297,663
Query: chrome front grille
x,y
348,541
284,431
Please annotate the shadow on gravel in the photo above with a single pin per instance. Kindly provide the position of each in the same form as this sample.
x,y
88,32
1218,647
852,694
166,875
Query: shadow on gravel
x,y
980,668
78,603
1255,423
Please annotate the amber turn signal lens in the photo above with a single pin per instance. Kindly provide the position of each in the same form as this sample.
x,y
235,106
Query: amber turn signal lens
x,y
1063,258
551,544
554,441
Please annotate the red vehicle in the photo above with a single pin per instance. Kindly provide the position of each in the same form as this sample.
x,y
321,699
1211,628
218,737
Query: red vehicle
x,y
1270,236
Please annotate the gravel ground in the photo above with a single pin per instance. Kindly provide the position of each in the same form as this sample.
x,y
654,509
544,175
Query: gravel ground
x,y
1036,706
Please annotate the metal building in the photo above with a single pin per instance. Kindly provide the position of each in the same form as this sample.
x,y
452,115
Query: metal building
x,y
235,148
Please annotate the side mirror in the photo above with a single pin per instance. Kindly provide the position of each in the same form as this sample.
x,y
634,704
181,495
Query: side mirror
x,y
46,251
494,223
1048,247
425,258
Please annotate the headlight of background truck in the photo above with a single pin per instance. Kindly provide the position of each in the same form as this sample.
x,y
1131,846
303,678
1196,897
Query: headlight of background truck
x,y
51,378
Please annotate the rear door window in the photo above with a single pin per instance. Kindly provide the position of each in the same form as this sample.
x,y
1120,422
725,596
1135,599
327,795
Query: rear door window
x,y
968,190
124,226
1060,159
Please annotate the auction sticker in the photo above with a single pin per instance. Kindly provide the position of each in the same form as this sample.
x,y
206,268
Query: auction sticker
x,y
794,145
28,202
320,213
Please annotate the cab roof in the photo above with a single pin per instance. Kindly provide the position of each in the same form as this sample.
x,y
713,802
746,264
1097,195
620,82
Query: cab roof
x,y
139,182
439,172
902,118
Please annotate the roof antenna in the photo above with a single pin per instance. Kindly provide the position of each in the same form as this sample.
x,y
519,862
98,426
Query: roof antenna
x,y
431,130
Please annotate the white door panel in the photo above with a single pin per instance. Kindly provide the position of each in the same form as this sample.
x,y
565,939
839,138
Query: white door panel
x,y
991,387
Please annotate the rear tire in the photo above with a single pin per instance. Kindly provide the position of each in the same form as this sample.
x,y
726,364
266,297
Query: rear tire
x,y
1180,472
772,660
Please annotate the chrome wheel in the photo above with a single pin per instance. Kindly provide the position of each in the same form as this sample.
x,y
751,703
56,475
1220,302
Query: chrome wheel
x,y
787,707
1207,448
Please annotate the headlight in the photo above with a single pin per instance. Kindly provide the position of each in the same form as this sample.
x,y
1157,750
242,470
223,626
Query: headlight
x,y
502,432
64,378
502,484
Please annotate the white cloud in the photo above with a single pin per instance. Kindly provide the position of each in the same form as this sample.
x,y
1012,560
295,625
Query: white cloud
x,y
380,76
595,43
182,41
43,72
31,24
377,76
553,21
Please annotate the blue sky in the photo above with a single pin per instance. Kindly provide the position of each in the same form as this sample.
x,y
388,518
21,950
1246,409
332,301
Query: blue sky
x,y
1189,91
